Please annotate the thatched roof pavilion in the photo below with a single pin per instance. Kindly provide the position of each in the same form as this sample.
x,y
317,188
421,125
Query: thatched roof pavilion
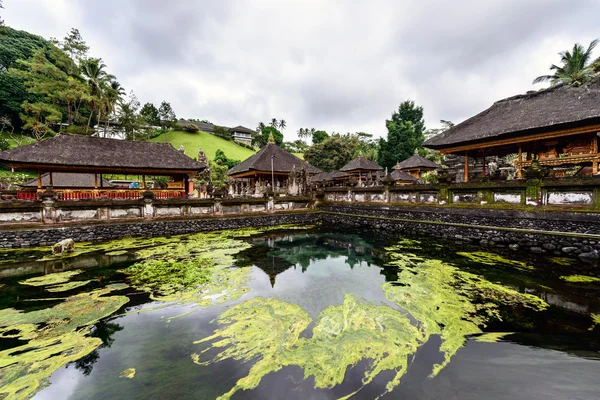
x,y
557,126
401,178
361,164
85,154
416,164
260,163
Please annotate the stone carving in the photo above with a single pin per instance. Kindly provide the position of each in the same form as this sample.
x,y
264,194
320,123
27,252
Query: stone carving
x,y
64,246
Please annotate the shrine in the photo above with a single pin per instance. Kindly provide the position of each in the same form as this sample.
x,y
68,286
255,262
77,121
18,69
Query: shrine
x,y
556,128
415,165
363,171
73,167
270,169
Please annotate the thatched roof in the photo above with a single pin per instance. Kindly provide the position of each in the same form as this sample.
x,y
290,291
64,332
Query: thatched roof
x,y
338,175
558,107
283,161
241,129
69,180
398,175
361,163
92,152
416,161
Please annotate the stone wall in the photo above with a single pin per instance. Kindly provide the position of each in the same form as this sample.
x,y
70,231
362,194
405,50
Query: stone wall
x,y
552,233
31,237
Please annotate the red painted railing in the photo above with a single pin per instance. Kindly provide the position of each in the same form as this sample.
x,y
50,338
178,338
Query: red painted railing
x,y
27,196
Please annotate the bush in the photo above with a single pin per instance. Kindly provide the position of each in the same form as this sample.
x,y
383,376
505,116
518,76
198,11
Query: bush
x,y
191,128
222,132
79,130
156,133
4,144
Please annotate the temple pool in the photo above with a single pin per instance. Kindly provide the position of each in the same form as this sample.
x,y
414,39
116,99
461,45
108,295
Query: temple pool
x,y
296,313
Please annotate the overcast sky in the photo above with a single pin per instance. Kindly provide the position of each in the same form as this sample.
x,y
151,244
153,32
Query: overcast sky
x,y
334,65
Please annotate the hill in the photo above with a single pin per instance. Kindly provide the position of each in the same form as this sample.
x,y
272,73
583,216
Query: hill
x,y
209,144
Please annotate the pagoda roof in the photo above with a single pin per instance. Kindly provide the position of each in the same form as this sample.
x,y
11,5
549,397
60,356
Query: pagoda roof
x,y
283,161
558,107
361,163
398,175
416,161
85,153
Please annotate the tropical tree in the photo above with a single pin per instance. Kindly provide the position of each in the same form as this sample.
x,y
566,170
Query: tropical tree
x,y
262,137
98,79
128,117
1,21
319,136
405,134
282,124
333,153
575,68
150,114
274,123
167,115
113,94
260,127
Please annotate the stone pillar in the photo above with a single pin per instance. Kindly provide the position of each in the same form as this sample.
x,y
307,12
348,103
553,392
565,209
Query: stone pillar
x,y
218,207
148,210
533,192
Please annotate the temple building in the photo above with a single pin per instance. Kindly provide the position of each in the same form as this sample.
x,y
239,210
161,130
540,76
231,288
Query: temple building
x,y
399,177
361,170
415,165
87,159
556,128
270,167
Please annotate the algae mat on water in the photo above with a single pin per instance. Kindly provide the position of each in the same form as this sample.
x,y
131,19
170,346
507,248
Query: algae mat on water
x,y
56,335
442,299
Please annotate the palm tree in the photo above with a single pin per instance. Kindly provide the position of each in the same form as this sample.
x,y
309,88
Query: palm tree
x,y
575,69
114,93
274,123
282,124
97,78
260,127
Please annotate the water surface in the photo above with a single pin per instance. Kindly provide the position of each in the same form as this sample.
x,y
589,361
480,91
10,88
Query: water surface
x,y
297,315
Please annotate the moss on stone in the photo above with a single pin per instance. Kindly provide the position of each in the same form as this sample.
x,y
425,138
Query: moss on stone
x,y
580,279
595,321
563,261
65,287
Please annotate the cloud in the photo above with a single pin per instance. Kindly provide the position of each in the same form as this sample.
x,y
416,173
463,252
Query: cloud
x,y
334,65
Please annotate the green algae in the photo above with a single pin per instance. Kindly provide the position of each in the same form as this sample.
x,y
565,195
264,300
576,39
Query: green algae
x,y
65,287
169,276
486,258
269,330
562,261
51,279
129,373
117,253
24,370
55,335
580,279
491,337
595,321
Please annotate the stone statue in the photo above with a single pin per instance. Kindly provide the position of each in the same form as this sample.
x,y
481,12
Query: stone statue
x,y
181,149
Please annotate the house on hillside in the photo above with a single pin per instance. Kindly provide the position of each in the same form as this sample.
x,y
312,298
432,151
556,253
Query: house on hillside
x,y
241,134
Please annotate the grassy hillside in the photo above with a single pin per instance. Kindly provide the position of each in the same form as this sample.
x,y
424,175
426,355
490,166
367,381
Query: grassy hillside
x,y
12,143
209,143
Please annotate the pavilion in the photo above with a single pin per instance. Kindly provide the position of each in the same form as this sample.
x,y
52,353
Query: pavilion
x,y
270,166
415,165
400,177
75,154
361,168
557,127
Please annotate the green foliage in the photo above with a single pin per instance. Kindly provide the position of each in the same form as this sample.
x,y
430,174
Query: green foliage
x,y
262,138
191,128
333,153
222,132
167,115
4,145
405,134
218,174
222,159
576,67
319,137
580,279
150,114
297,146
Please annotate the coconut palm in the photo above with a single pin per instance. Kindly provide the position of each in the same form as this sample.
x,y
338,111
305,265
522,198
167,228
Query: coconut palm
x,y
260,127
576,66
282,124
113,94
97,78
274,123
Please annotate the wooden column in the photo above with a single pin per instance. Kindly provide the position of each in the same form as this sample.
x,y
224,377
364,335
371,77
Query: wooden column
x,y
144,182
483,167
519,166
95,181
466,178
595,152
39,179
50,177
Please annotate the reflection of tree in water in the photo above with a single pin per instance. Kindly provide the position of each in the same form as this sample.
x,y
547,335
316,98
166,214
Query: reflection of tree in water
x,y
105,331
275,254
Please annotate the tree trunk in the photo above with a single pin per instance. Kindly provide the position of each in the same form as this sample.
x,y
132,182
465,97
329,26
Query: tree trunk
x,y
69,113
89,120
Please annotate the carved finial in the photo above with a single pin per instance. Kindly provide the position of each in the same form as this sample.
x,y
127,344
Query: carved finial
x,y
360,154
416,152
181,148
271,138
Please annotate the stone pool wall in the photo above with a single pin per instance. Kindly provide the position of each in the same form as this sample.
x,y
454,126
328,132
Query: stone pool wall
x,y
31,237
573,234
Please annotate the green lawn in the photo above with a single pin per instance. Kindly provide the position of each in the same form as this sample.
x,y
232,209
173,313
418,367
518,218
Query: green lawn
x,y
209,143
